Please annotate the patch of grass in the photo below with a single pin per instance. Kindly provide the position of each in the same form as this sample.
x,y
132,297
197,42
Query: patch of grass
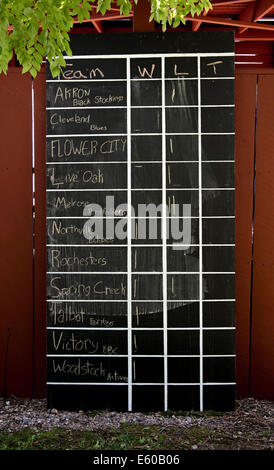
x,y
29,439
129,436
95,412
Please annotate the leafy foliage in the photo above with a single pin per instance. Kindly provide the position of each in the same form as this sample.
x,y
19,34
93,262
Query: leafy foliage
x,y
33,29
173,12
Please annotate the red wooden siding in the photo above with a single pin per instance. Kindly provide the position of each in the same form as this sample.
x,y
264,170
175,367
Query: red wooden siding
x,y
23,278
16,318
245,99
40,235
262,344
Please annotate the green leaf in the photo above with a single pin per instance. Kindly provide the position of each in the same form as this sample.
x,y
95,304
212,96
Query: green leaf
x,y
40,49
60,61
26,68
67,49
28,11
176,22
38,57
33,72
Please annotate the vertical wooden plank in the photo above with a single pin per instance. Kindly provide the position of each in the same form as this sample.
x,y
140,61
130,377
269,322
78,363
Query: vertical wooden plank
x,y
245,108
141,17
39,85
16,317
262,345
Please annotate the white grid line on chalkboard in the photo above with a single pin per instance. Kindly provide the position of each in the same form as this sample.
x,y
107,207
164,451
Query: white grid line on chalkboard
x,y
190,328
144,245
129,279
140,189
160,356
200,235
140,272
167,78
218,383
141,300
169,162
172,79
212,106
169,217
164,236
144,107
136,133
88,135
94,80
139,245
219,355
183,384
150,56
140,355
216,78
134,79
57,108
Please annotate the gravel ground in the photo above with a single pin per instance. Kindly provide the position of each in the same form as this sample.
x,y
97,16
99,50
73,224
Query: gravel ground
x,y
251,418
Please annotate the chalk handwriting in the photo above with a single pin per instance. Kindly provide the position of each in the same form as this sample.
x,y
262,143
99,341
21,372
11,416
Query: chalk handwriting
x,y
86,177
71,74
213,64
66,314
57,261
71,343
79,290
60,148
84,367
145,71
178,74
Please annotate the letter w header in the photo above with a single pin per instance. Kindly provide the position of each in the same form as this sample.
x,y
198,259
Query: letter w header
x,y
145,71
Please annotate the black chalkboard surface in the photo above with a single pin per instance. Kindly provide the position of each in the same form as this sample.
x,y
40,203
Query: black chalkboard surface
x,y
140,223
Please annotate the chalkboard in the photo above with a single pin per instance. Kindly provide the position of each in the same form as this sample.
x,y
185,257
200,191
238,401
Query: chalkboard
x,y
140,223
